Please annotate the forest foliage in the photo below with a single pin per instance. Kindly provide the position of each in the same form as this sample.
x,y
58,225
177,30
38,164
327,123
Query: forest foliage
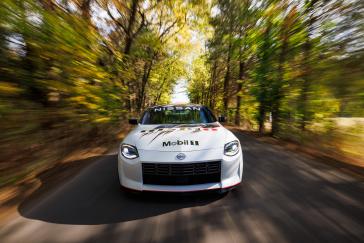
x,y
294,69
72,70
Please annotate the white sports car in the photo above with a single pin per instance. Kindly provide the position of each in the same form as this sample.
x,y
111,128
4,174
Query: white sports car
x,y
179,148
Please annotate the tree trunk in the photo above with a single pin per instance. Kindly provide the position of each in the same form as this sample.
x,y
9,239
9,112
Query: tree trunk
x,y
307,64
262,77
47,4
209,90
160,91
212,86
86,10
238,97
277,92
275,118
227,81
306,84
145,78
129,38
261,118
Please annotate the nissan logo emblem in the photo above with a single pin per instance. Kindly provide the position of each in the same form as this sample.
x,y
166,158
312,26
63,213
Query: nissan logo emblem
x,y
181,156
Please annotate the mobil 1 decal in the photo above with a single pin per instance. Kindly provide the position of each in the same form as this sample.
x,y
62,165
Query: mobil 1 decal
x,y
180,142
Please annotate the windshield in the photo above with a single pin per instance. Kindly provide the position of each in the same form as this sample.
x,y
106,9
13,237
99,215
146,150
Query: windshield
x,y
177,115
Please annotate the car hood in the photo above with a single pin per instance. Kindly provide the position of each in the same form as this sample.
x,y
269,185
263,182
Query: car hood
x,y
178,137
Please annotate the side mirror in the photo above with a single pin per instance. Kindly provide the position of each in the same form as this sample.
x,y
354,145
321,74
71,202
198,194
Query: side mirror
x,y
133,121
222,119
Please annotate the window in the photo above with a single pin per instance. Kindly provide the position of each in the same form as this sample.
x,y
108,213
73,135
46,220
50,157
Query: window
x,y
177,115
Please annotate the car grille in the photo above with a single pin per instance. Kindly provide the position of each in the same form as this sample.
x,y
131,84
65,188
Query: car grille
x,y
181,174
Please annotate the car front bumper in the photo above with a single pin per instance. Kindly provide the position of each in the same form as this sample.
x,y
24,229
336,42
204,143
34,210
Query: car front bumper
x,y
131,175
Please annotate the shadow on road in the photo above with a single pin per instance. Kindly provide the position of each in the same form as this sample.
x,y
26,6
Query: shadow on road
x,y
94,197
284,197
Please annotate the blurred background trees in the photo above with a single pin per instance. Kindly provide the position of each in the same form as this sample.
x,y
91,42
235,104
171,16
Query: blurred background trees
x,y
293,69
71,71
286,58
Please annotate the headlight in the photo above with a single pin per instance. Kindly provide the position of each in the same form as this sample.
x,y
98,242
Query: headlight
x,y
129,151
232,148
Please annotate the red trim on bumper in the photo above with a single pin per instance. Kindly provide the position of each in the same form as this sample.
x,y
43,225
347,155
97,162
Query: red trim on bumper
x,y
209,189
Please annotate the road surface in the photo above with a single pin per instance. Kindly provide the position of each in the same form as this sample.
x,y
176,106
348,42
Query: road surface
x,y
285,197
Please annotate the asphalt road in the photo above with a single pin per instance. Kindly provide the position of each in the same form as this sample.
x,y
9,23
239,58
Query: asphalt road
x,y
285,197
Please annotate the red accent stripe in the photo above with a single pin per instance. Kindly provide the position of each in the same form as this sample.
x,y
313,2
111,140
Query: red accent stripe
x,y
209,189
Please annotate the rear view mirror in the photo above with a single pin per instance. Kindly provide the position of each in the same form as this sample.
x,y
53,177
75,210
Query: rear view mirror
x,y
133,121
222,119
